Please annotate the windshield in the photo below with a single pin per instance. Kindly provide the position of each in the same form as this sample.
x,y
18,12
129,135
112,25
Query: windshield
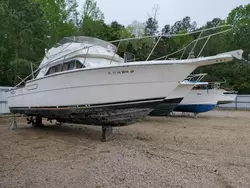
x,y
87,40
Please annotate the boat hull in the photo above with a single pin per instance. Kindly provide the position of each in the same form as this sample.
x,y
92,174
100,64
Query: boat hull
x,y
195,108
227,98
119,114
173,100
200,100
107,84
98,96
166,107
98,86
225,102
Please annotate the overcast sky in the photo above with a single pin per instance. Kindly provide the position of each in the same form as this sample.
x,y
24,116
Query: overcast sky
x,y
201,11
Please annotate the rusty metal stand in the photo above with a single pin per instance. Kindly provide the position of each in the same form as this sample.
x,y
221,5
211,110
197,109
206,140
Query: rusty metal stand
x,y
106,133
13,123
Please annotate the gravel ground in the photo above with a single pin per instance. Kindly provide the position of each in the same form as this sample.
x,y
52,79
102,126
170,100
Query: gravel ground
x,y
211,151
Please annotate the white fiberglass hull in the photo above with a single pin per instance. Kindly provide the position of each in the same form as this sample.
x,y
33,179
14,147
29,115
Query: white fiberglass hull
x,y
227,98
200,100
132,92
181,91
97,86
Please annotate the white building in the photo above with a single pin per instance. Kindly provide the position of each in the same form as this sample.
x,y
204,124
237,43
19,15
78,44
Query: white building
x,y
4,108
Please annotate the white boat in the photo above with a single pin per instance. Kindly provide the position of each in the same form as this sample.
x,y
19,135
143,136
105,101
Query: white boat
x,y
202,98
227,97
83,80
83,86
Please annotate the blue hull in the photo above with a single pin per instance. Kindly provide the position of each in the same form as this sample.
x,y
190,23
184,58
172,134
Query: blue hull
x,y
195,108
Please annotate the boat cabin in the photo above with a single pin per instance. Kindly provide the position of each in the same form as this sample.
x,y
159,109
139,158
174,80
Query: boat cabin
x,y
78,52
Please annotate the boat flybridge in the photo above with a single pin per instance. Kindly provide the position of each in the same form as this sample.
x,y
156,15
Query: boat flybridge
x,y
83,80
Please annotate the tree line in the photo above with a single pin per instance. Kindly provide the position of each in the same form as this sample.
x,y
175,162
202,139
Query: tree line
x,y
30,26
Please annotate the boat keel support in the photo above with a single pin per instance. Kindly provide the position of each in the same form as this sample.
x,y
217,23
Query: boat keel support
x,y
106,133
13,123
37,122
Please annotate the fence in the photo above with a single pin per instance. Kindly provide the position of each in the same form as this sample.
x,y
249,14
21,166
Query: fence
x,y
4,108
242,102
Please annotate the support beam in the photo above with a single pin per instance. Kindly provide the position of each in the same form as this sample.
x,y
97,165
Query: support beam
x,y
106,133
38,122
13,123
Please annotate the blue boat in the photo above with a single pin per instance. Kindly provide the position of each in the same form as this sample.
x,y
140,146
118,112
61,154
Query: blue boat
x,y
202,98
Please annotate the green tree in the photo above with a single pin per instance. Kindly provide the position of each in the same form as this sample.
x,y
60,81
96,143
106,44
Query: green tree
x,y
136,28
61,17
151,27
92,21
92,11
24,39
183,25
236,74
240,19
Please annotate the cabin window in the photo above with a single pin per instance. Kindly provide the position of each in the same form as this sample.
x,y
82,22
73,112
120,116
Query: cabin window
x,y
202,87
65,67
56,68
51,70
79,65
75,64
71,65
59,67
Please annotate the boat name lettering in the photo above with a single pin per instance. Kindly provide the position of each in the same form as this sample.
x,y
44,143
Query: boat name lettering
x,y
121,72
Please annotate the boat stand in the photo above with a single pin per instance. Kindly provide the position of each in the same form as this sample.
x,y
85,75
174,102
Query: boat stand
x,y
35,123
106,133
13,123
172,113
189,114
38,122
185,114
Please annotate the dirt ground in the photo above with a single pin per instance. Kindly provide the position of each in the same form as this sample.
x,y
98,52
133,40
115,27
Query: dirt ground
x,y
211,151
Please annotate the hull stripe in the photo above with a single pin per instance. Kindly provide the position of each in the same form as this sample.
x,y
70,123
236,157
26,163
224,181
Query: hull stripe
x,y
12,91
90,105
196,108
